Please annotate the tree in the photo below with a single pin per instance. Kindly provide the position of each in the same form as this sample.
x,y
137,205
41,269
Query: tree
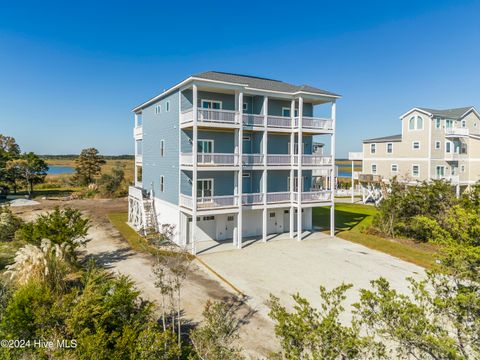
x,y
215,337
310,333
440,320
61,226
111,184
9,150
31,169
88,165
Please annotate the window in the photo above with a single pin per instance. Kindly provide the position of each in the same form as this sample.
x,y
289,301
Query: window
x,y
440,172
158,109
286,112
438,123
415,170
205,146
415,123
245,107
208,218
394,168
464,123
411,123
474,124
286,211
162,183
448,147
462,168
167,106
374,169
437,145
448,123
272,214
211,104
246,138
246,175
230,218
162,148
373,148
416,145
204,188
389,148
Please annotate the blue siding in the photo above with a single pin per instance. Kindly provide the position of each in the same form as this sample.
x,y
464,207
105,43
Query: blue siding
x,y
277,180
228,100
278,144
187,99
254,145
223,181
155,128
223,141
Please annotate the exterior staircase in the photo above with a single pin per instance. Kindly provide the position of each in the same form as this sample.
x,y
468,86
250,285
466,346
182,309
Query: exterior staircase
x,y
151,225
141,211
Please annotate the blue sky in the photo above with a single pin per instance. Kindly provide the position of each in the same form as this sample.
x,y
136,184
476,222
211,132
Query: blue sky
x,y
69,75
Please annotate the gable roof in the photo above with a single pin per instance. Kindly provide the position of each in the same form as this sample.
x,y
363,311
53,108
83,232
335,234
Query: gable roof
x,y
261,83
454,114
252,82
384,139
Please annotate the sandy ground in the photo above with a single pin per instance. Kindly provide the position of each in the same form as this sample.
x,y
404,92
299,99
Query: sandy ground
x,y
109,249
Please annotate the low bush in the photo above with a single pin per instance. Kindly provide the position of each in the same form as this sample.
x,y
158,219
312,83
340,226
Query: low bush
x,y
9,224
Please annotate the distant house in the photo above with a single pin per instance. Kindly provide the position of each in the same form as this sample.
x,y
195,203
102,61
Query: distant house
x,y
217,156
434,144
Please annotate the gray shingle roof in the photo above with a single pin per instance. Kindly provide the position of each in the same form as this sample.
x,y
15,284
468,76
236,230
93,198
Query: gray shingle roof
x,y
384,139
453,114
261,83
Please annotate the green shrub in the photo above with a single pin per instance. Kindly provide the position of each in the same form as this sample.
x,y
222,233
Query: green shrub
x,y
425,229
463,224
113,184
9,224
59,226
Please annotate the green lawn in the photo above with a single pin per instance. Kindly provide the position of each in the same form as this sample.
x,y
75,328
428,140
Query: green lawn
x,y
351,222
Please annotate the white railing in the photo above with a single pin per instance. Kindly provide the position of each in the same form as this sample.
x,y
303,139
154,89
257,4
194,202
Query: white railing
x,y
355,155
209,202
210,116
314,196
279,121
275,197
457,131
315,123
252,199
279,159
209,159
253,120
186,116
186,201
138,159
138,131
219,116
217,201
314,160
252,159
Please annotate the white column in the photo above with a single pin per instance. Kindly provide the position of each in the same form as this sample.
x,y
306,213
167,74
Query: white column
x,y
136,120
353,182
299,168
194,169
240,170
292,171
332,180
265,171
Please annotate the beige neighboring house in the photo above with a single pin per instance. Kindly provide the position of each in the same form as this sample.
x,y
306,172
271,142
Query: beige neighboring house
x,y
434,144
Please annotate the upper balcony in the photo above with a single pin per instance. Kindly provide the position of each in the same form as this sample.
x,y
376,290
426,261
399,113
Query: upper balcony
x,y
220,160
210,117
138,132
231,119
457,132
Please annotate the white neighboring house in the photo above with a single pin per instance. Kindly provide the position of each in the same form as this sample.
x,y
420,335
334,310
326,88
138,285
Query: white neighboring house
x,y
434,144
218,157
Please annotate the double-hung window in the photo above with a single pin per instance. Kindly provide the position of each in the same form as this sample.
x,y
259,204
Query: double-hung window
x,y
389,148
373,148
211,104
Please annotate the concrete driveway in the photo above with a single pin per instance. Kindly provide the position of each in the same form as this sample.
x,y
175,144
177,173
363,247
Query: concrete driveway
x,y
285,266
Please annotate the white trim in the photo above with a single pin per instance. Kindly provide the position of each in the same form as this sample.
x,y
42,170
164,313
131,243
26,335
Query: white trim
x,y
207,179
416,109
206,140
245,108
396,159
470,110
439,145
211,101
295,113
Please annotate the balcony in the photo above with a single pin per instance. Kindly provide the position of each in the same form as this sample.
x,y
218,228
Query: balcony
x,y
252,199
278,197
138,159
252,159
456,132
355,156
314,123
211,202
314,160
253,120
313,196
209,159
279,159
279,121
138,132
455,156
210,117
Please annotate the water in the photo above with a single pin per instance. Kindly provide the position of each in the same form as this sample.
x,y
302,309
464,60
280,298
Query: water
x,y
58,169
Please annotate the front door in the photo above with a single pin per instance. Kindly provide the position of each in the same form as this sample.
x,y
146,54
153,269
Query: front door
x,y
204,188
